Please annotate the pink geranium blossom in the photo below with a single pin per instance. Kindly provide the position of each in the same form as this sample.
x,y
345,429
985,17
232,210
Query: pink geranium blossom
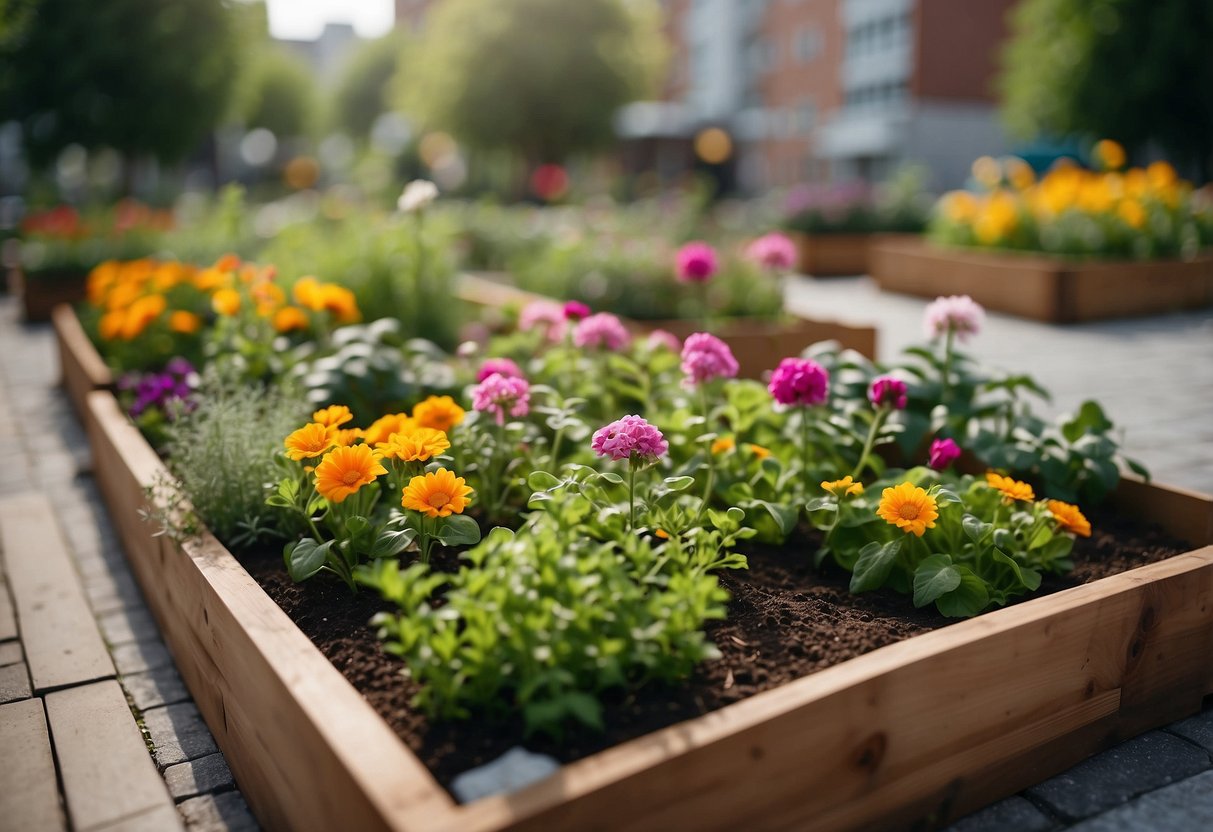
x,y
601,331
501,366
660,338
888,391
630,438
706,357
958,313
943,453
546,315
696,262
501,395
575,310
773,251
799,382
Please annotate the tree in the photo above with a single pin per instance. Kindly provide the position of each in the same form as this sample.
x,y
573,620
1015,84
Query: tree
x,y
539,77
1137,71
361,94
278,93
140,76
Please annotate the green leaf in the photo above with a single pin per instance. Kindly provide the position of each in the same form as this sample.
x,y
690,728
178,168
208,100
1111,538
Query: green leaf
x,y
458,530
934,577
968,599
306,558
1089,419
679,483
822,504
974,528
391,543
542,481
610,477
784,516
356,525
875,562
584,707
1043,535
944,496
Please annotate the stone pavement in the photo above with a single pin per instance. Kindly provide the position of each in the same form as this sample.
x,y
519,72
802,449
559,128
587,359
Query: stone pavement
x,y
1154,376
97,730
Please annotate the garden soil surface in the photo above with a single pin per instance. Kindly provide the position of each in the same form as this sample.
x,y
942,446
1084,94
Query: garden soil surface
x,y
786,620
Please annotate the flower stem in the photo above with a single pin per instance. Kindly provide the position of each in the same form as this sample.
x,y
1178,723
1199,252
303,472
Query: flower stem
x,y
877,420
947,366
711,478
631,496
804,450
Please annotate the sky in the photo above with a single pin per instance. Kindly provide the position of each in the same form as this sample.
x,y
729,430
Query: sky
x,y
305,19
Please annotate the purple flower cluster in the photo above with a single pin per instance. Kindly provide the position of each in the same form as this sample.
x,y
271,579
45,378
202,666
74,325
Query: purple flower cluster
x,y
630,438
500,366
706,357
602,331
499,395
959,313
799,382
943,453
773,251
158,390
887,391
696,262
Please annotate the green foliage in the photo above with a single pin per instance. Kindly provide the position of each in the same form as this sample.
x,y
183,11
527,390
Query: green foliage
x,y
278,93
546,97
140,76
1124,69
361,93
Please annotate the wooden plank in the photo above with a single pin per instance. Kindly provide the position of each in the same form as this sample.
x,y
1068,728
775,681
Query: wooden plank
x,y
106,770
29,793
81,367
833,255
1101,290
306,749
62,643
1184,513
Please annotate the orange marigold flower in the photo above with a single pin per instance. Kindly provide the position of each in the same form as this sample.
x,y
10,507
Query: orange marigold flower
x,y
184,322
1110,154
340,301
226,302
1011,489
438,412
759,451
662,533
268,297
416,445
346,469
1069,518
333,416
437,494
311,440
347,436
141,313
307,293
111,324
381,429
290,318
724,443
909,508
227,263
844,487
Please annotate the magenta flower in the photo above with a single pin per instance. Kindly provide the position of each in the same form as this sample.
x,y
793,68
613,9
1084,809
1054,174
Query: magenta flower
x,y
500,395
696,262
706,357
887,391
799,382
958,313
943,453
500,366
575,310
659,338
546,315
630,438
773,251
601,331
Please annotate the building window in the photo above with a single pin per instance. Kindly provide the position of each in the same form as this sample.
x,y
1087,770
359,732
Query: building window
x,y
806,115
807,44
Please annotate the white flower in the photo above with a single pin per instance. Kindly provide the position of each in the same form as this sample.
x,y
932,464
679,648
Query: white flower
x,y
417,195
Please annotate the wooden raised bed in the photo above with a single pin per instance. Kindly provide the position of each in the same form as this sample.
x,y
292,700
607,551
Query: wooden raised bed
x,y
916,733
1043,288
757,345
81,367
833,255
42,293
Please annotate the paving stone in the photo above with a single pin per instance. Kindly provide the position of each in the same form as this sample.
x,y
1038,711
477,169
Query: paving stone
x,y
10,653
178,734
106,598
14,683
8,618
1015,814
29,793
139,656
127,625
105,768
1185,806
1197,729
154,688
201,776
1109,779
59,634
165,818
225,812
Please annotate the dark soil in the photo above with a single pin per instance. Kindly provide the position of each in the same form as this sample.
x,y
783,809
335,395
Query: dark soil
x,y
786,620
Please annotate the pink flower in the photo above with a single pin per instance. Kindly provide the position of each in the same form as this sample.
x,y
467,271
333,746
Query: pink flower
x,y
943,453
630,438
773,251
603,331
886,390
545,314
500,395
659,338
705,357
799,382
501,366
575,310
959,313
696,262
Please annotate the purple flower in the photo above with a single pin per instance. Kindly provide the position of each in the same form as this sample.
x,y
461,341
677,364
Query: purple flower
x,y
602,331
500,395
958,313
178,366
773,251
169,391
696,262
630,438
943,453
501,366
706,357
659,338
887,391
799,382
575,310
546,315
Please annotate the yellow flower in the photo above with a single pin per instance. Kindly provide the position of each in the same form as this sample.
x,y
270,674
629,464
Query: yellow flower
x,y
1132,213
268,297
1019,173
437,494
843,487
333,416
346,437
1110,154
724,443
1069,518
438,412
987,171
290,318
381,429
1011,489
997,218
226,302
311,440
959,206
416,445
184,322
340,301
759,451
909,508
306,293
344,470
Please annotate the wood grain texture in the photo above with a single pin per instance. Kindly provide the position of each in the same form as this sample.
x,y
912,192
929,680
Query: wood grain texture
x,y
81,367
833,255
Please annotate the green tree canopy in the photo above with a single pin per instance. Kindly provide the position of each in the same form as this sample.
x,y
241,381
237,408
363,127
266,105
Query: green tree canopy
x,y
539,77
278,92
140,76
361,93
1136,71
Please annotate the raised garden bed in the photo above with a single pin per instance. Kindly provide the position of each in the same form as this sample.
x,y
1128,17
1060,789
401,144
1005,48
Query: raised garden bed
x,y
81,367
40,294
923,730
833,255
1043,288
